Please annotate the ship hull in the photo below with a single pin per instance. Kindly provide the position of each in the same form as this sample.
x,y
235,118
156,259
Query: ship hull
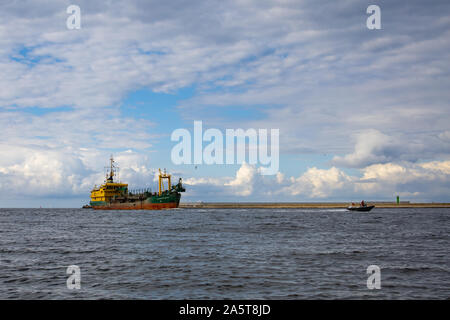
x,y
141,205
167,201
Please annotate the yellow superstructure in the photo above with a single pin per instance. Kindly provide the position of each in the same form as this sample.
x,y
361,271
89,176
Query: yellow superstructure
x,y
109,189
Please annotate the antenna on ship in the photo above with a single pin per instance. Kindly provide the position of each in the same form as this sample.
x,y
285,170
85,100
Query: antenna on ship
x,y
112,171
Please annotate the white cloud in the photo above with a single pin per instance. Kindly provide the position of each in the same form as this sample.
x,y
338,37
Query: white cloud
x,y
400,174
438,167
244,182
370,148
242,185
44,172
375,147
65,172
421,181
319,183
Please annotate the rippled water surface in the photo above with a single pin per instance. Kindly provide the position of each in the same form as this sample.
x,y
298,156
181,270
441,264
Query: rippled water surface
x,y
221,253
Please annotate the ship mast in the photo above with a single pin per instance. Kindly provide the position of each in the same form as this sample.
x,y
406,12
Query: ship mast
x,y
112,171
161,177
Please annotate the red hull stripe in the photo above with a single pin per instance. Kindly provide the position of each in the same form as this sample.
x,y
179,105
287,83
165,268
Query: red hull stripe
x,y
138,206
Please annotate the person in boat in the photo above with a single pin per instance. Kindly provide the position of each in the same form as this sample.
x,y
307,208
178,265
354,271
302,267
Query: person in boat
x,y
363,204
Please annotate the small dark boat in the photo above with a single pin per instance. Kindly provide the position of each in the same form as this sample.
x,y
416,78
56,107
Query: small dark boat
x,y
361,208
86,206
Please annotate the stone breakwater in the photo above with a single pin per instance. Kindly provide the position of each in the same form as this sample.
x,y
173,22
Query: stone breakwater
x,y
306,205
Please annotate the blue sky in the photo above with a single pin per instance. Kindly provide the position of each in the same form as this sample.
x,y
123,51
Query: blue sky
x,y
362,114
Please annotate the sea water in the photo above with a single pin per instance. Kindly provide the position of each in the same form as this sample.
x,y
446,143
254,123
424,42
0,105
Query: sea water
x,y
224,253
